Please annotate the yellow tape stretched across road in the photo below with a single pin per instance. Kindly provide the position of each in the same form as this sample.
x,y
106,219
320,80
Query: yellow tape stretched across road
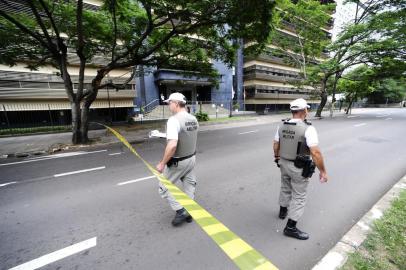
x,y
241,253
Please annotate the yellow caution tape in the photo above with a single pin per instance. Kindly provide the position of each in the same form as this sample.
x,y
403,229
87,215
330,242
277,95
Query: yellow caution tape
x,y
241,253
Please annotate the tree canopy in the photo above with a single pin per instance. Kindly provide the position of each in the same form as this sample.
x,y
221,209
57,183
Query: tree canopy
x,y
308,21
376,37
368,82
126,34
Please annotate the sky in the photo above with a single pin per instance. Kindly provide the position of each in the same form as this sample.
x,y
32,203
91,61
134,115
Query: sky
x,y
345,14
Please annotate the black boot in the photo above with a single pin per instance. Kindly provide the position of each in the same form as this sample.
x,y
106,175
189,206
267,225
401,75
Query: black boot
x,y
283,212
292,231
181,216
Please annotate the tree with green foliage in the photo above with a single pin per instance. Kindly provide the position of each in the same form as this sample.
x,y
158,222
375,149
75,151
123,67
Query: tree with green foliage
x,y
377,34
356,84
306,19
388,91
127,33
368,82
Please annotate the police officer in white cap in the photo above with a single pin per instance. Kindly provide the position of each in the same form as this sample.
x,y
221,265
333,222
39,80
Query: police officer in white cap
x,y
296,153
179,159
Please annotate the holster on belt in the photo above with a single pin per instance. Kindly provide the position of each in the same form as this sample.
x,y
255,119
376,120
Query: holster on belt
x,y
171,163
174,160
305,163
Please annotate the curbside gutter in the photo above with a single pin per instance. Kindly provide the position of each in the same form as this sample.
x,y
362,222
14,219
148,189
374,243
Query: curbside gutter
x,y
353,239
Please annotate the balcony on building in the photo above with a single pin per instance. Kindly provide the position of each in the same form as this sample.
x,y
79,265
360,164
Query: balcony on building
x,y
275,94
257,72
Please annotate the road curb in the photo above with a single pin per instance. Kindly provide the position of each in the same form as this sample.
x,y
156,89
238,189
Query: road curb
x,y
353,239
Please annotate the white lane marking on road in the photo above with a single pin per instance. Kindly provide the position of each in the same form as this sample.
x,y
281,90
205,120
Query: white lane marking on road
x,y
353,116
136,180
388,118
6,184
360,125
252,131
384,115
71,154
57,255
115,154
81,171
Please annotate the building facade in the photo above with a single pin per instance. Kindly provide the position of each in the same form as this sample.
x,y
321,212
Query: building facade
x,y
269,79
263,83
157,84
32,98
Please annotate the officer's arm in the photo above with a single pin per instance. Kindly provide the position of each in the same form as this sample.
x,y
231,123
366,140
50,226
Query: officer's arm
x,y
169,151
318,160
276,147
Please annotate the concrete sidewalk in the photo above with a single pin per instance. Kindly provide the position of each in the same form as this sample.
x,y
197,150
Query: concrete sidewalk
x,y
31,145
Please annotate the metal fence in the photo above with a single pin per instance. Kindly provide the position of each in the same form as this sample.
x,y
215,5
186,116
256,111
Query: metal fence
x,y
214,110
26,119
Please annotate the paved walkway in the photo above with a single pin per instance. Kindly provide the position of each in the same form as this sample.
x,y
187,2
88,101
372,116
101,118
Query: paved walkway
x,y
20,146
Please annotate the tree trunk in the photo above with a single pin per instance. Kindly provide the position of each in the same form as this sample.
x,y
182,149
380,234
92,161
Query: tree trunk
x,y
322,104
84,123
87,102
323,96
76,136
349,105
333,97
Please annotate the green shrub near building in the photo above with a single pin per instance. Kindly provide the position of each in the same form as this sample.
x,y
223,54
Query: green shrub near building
x,y
201,116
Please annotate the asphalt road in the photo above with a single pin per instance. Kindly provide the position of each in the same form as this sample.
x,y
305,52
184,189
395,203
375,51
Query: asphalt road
x,y
50,203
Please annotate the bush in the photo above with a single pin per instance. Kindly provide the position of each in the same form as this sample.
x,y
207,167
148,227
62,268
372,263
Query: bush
x,y
201,116
130,120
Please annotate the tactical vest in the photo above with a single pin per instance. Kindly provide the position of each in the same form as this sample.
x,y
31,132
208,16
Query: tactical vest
x,y
292,139
187,136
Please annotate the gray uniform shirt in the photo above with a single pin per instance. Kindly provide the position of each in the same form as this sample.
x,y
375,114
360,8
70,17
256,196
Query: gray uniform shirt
x,y
310,136
183,127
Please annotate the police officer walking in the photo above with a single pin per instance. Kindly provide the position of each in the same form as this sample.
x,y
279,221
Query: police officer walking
x,y
179,159
296,153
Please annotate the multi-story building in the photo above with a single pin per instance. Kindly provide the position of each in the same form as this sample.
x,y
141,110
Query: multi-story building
x,y
158,83
269,79
259,84
30,97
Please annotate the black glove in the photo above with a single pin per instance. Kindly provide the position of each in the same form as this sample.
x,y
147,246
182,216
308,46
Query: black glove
x,y
277,161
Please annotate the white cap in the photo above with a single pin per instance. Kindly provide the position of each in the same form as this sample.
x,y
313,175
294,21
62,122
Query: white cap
x,y
298,105
176,97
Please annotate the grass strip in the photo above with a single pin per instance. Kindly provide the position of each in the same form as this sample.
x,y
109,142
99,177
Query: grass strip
x,y
385,245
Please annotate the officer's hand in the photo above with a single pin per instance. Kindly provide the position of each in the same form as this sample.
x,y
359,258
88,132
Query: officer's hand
x,y
323,177
160,167
277,161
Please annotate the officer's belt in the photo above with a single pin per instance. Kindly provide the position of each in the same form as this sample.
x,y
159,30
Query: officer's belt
x,y
293,160
177,159
288,159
